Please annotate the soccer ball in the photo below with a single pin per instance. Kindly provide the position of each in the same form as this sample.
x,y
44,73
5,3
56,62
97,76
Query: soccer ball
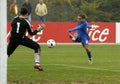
x,y
51,43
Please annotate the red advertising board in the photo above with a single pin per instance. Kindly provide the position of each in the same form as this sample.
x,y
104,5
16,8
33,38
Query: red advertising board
x,y
104,32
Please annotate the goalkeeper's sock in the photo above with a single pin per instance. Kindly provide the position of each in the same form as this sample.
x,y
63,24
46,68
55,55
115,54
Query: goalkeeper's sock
x,y
89,55
37,58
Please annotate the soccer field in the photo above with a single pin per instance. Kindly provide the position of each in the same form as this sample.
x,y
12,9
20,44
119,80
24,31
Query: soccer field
x,y
66,64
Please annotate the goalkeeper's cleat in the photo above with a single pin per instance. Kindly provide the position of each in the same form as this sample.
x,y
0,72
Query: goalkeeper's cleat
x,y
41,27
37,66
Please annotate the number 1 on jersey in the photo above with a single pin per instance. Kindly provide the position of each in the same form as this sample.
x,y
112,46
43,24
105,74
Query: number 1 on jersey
x,y
18,27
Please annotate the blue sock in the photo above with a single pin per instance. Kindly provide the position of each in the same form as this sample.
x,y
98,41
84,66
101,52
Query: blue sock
x,y
89,55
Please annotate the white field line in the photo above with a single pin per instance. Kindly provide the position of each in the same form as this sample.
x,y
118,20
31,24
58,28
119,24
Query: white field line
x,y
81,67
71,66
80,43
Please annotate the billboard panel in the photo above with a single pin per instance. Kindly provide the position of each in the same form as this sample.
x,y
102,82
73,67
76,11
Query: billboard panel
x,y
104,32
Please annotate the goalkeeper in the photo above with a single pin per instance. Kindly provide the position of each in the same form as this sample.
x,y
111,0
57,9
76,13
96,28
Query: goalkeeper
x,y
82,34
19,26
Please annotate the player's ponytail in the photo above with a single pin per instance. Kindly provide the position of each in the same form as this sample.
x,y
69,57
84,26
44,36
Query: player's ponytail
x,y
83,16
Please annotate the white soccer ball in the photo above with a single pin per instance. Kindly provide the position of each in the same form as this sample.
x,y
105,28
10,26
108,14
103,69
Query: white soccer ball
x,y
51,43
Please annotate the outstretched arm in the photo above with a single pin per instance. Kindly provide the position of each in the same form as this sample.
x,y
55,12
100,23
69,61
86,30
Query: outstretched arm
x,y
30,30
77,28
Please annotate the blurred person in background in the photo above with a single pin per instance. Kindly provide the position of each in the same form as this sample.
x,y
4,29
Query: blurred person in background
x,y
29,8
14,8
41,11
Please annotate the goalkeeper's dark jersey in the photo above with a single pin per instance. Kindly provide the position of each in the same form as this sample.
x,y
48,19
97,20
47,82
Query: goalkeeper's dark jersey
x,y
19,27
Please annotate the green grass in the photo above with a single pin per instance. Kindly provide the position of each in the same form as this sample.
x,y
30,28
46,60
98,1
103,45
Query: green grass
x,y
66,64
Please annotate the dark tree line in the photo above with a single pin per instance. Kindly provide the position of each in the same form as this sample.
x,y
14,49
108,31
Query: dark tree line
x,y
67,10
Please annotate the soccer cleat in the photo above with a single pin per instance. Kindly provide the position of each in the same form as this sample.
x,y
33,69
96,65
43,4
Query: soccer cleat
x,y
37,66
70,36
90,61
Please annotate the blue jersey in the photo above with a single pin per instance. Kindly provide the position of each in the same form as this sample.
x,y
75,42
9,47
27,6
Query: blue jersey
x,y
82,29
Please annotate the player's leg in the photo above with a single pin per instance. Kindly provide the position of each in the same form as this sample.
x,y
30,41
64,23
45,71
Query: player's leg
x,y
85,43
88,53
11,47
33,45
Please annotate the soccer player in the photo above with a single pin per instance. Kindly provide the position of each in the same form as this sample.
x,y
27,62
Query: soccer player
x,y
82,34
19,26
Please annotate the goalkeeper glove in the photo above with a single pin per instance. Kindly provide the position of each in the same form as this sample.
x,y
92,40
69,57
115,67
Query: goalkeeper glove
x,y
41,27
